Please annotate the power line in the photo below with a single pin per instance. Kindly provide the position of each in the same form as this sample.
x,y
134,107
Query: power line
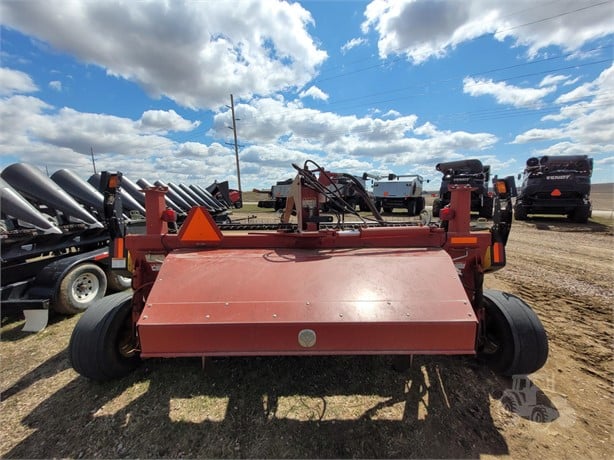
x,y
402,58
247,123
431,83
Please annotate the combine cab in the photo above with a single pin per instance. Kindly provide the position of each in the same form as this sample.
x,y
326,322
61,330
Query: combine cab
x,y
367,287
556,185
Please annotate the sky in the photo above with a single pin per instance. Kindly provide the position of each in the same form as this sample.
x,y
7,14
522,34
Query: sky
x,y
356,86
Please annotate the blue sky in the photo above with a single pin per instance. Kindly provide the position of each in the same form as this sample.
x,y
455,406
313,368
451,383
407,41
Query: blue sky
x,y
381,86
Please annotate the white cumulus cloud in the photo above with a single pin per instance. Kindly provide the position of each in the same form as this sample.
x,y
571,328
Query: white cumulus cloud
x,y
195,53
315,93
15,82
505,93
424,29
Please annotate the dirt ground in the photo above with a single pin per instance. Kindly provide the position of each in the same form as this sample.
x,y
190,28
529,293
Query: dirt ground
x,y
340,407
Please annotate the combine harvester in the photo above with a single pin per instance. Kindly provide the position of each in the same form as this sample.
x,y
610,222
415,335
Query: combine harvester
x,y
367,288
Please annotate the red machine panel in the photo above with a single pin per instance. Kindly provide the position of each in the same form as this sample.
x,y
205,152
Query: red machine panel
x,y
295,301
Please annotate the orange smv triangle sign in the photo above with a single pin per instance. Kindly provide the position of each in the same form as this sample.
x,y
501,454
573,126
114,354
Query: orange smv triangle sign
x,y
200,227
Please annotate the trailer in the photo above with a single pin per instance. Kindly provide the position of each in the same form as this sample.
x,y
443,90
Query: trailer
x,y
368,287
54,249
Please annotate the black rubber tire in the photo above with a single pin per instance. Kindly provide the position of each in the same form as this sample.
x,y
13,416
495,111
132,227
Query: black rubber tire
x,y
387,209
411,207
520,338
420,205
520,212
487,208
117,282
436,207
580,215
95,343
81,286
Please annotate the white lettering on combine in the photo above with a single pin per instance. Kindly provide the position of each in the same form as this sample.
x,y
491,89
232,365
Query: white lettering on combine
x,y
565,177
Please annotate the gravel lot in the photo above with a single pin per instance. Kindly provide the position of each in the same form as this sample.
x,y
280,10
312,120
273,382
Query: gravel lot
x,y
339,407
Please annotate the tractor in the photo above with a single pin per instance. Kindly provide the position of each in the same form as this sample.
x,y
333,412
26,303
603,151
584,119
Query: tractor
x,y
528,401
367,287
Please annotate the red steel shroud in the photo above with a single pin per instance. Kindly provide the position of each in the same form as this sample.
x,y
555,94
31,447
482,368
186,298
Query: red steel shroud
x,y
235,302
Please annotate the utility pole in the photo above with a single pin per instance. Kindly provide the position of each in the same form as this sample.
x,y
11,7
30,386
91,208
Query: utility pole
x,y
93,161
234,131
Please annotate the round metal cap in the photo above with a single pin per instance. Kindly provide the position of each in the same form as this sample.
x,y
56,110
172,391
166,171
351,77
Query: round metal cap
x,y
307,338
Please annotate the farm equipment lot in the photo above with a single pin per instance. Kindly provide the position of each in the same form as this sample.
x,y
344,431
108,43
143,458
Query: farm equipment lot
x,y
323,407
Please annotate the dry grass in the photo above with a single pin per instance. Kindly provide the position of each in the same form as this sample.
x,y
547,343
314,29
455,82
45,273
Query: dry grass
x,y
240,407
292,407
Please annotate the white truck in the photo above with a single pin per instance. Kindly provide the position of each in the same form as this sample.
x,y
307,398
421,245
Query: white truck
x,y
398,191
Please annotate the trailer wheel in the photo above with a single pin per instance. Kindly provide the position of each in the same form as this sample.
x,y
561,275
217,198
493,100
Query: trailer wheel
x,y
82,285
100,346
516,341
117,282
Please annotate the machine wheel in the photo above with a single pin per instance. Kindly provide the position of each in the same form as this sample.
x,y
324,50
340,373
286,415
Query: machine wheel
x,y
420,205
411,207
520,212
538,414
580,215
100,345
436,207
116,282
80,287
509,404
516,341
486,209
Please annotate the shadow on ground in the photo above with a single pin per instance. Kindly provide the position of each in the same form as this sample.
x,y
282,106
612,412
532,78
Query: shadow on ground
x,y
282,407
562,224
